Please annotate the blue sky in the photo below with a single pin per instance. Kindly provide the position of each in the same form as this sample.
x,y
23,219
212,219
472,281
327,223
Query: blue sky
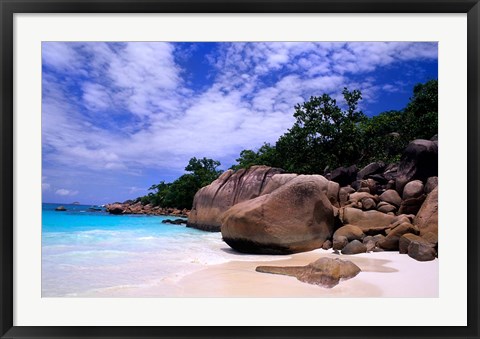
x,y
119,117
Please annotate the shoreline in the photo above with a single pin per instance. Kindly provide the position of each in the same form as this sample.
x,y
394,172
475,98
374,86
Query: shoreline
x,y
384,274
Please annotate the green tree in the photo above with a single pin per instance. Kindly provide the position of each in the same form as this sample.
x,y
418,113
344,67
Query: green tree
x,y
265,155
421,113
180,193
204,170
157,195
323,135
382,138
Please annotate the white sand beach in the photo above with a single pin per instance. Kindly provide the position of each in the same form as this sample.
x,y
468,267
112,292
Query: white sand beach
x,y
384,274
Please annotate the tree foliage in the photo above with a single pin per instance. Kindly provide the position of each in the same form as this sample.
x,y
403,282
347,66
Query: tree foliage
x,y
327,135
421,113
323,135
266,155
180,193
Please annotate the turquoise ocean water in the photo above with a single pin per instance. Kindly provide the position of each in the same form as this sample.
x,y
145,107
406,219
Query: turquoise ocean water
x,y
88,252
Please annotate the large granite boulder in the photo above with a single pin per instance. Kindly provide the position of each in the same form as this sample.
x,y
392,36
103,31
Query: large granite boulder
x,y
419,161
427,217
295,217
234,187
229,189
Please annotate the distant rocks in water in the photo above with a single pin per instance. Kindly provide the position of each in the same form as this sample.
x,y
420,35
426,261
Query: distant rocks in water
x,y
325,272
174,222
116,208
75,203
60,209
130,207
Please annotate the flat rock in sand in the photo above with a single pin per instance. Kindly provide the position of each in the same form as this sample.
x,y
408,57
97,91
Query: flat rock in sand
x,y
325,272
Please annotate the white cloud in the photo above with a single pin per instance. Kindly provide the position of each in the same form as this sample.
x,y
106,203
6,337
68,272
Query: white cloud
x,y
46,187
135,110
60,56
96,96
65,192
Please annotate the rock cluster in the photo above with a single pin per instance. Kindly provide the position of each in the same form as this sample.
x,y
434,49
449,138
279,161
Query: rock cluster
x,y
379,207
129,207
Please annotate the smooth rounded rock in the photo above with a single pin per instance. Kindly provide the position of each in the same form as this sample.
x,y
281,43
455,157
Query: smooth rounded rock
x,y
368,204
421,251
294,218
413,189
354,247
392,197
351,232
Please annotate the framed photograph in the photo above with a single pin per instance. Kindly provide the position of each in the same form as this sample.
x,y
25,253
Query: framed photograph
x,y
239,169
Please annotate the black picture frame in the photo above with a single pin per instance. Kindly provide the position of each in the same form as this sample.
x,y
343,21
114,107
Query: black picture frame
x,y
9,7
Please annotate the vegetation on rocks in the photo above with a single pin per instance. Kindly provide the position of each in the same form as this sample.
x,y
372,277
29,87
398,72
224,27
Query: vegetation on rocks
x,y
326,136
